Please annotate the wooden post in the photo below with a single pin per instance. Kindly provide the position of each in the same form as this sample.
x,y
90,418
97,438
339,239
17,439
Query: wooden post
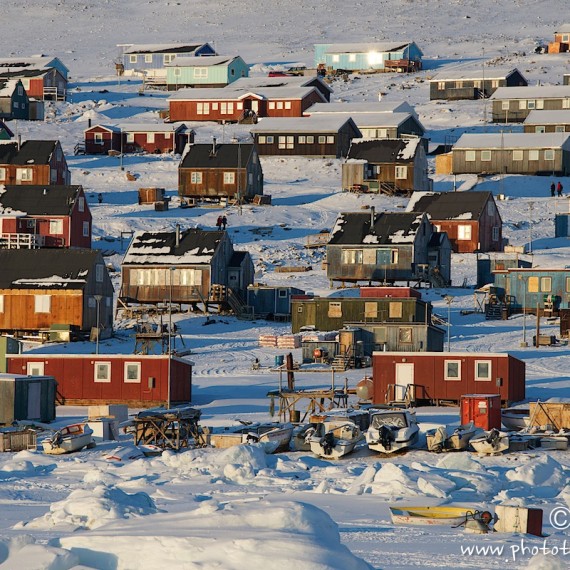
x,y
290,373
537,343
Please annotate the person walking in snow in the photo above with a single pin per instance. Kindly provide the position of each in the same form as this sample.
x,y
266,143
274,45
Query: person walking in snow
x,y
553,190
219,222
559,188
224,223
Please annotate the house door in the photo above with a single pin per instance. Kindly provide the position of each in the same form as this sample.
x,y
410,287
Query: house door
x,y
404,378
255,106
35,368
234,280
34,401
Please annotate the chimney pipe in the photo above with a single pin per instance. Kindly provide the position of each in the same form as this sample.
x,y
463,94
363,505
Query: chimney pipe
x,y
213,145
88,123
19,141
177,235
372,215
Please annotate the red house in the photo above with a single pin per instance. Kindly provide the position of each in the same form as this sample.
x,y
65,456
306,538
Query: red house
x,y
136,380
470,219
234,104
152,138
44,216
33,162
434,377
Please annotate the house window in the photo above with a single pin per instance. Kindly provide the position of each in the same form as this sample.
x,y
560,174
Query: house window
x,y
287,104
261,139
102,372
370,310
301,140
352,57
483,370
132,373
148,58
335,58
330,139
533,155
239,106
505,105
459,84
322,140
530,105
335,310
401,172
270,139
532,284
567,284
477,84
168,57
98,138
35,368
133,58
495,235
16,105
272,104
470,156
463,232
229,177
286,142
150,137
549,154
395,310
351,256
565,37
405,335
540,103
485,155
282,293
452,370
215,106
81,204
56,227
201,72
196,178
85,229
441,85
394,256
204,108
99,272
522,104
42,303
518,155
311,140
546,284
559,129
279,104
566,103
2,174
1,303
177,72
226,108
24,174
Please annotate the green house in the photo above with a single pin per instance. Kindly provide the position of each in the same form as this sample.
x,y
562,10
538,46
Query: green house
x,y
212,71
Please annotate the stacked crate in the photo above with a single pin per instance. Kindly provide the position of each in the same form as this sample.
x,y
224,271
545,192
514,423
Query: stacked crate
x,y
268,340
289,341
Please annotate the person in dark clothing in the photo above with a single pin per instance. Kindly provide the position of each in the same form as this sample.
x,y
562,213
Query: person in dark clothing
x,y
559,188
100,198
553,190
224,222
219,222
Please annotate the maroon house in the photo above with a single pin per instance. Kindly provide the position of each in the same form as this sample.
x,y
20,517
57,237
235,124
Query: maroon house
x,y
235,104
434,377
44,216
470,219
136,380
33,162
154,138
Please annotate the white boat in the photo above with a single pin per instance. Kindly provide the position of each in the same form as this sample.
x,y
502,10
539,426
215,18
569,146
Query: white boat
x,y
448,438
554,442
273,435
441,515
335,438
392,430
491,442
515,419
73,437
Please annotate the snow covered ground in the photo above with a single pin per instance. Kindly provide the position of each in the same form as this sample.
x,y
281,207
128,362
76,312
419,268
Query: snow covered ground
x,y
238,508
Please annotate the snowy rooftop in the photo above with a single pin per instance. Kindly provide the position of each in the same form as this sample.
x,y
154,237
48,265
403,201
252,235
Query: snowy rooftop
x,y
208,61
513,140
534,92
364,107
366,47
174,47
476,73
232,93
559,117
315,124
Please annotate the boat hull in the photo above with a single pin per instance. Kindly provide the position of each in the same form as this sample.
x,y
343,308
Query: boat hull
x,y
451,516
395,446
272,438
515,419
483,446
335,439
67,443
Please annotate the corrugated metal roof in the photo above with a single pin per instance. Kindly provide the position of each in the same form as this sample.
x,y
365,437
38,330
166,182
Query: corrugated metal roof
x,y
313,124
384,150
534,92
38,200
512,140
474,73
225,155
450,205
561,117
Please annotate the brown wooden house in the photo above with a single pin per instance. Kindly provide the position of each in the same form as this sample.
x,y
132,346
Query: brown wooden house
x,y
153,138
513,104
33,162
220,171
561,43
233,103
137,380
384,247
40,288
44,216
191,266
317,135
389,166
547,122
434,377
471,220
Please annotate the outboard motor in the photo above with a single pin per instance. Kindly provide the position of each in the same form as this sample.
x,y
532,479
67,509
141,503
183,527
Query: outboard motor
x,y
386,437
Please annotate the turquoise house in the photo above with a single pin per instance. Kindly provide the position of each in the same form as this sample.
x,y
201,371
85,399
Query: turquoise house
x,y
382,56
212,71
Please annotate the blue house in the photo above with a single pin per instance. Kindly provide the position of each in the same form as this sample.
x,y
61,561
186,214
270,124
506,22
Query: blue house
x,y
534,289
213,71
150,59
382,56
272,302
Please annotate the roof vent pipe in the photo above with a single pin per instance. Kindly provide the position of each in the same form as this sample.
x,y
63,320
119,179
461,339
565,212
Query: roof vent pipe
x,y
177,235
372,215
213,146
19,141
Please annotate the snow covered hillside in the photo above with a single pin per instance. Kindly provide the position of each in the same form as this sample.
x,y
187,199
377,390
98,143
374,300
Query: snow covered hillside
x,y
239,508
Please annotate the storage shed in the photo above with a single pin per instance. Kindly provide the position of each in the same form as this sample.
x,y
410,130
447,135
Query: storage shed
x,y
434,377
27,398
87,379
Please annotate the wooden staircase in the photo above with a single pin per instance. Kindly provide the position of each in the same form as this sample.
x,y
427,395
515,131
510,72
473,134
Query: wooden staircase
x,y
494,311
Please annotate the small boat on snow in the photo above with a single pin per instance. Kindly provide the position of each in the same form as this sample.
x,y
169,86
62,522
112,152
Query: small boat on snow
x,y
447,438
442,515
273,436
515,419
490,442
334,438
73,437
392,430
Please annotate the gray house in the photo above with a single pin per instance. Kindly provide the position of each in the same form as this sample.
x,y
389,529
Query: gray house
x,y
513,104
473,83
389,166
547,122
272,301
384,247
513,153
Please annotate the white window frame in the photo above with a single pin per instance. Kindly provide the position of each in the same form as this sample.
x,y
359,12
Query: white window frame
x,y
287,105
130,137
505,105
441,85
401,172
200,72
98,138
261,139
42,303
271,105
102,379
56,227
195,177
487,378
132,365
148,57
25,174
2,174
229,177
168,57
1,303
470,156
86,229
486,155
322,139
566,103
81,204
546,284
495,233
330,139
518,155
99,272
150,138
35,368
270,139
310,139
446,376
464,232
533,154
549,154
522,104
352,256
133,58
